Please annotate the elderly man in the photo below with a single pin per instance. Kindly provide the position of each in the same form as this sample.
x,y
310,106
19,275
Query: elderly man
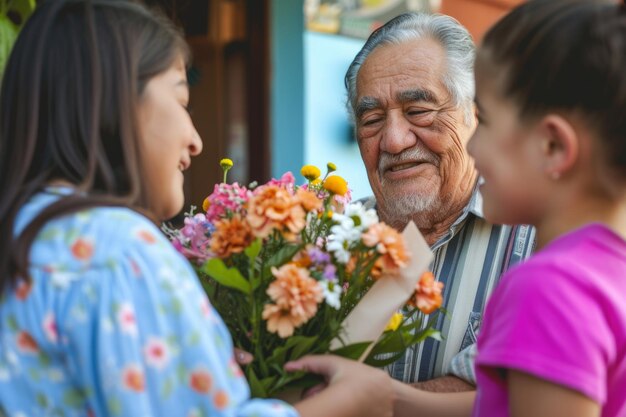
x,y
410,92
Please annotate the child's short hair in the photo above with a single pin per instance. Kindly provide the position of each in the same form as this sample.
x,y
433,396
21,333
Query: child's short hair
x,y
565,55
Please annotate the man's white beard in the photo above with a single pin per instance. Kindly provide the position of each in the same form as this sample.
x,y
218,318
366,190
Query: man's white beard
x,y
399,210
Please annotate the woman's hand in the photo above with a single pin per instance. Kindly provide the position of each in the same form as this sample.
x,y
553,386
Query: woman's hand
x,y
242,357
352,389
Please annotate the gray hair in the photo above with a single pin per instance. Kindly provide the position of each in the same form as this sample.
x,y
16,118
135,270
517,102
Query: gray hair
x,y
453,37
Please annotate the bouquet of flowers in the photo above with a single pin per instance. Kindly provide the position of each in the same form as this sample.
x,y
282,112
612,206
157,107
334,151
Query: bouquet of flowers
x,y
286,265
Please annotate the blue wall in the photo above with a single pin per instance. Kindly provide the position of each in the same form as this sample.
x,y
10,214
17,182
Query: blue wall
x,y
309,122
328,133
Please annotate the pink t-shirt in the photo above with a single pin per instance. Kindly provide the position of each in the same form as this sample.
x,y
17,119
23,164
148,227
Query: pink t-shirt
x,y
560,316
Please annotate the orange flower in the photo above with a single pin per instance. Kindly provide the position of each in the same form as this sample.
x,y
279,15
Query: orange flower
x,y
375,272
200,381
230,236
389,243
302,259
146,236
275,208
427,296
26,343
308,199
220,400
82,249
133,378
296,295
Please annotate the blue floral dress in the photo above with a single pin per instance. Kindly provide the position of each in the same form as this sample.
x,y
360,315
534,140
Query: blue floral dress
x,y
115,323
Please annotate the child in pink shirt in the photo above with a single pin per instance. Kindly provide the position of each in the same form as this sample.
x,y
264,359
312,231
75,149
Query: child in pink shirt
x,y
550,147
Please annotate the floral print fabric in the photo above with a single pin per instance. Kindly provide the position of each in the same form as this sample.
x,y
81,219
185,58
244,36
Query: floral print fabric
x,y
115,323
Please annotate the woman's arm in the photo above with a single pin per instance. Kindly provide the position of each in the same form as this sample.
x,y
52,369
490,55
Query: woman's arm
x,y
530,396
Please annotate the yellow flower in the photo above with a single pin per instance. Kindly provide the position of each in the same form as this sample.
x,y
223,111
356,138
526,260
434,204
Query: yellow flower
x,y
226,163
336,185
331,167
394,322
310,172
206,204
316,182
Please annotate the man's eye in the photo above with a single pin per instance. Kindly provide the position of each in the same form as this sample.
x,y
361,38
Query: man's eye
x,y
417,112
370,122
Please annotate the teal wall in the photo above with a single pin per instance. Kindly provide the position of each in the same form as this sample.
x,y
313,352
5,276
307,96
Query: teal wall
x,y
287,97
309,122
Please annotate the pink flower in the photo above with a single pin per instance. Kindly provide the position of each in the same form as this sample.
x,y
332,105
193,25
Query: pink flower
x,y
226,198
156,353
126,319
287,181
50,327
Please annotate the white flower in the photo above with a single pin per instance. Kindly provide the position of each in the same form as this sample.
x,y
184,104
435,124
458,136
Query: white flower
x,y
5,375
361,218
343,235
55,375
332,292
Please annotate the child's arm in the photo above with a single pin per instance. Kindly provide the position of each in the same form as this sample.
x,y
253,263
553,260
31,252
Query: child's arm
x,y
532,396
411,402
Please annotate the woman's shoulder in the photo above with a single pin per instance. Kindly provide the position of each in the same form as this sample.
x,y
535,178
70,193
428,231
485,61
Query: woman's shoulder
x,y
94,236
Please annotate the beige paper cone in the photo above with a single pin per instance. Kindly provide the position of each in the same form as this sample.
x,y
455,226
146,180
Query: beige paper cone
x,y
368,319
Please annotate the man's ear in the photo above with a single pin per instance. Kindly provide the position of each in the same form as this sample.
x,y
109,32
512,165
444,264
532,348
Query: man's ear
x,y
560,145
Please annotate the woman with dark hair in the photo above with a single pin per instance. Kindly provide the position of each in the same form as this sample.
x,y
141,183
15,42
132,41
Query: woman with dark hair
x,y
99,315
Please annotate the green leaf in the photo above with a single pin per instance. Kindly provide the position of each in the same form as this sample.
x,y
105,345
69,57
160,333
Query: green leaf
x,y
8,34
73,397
229,277
353,351
280,257
302,347
168,388
23,7
12,323
257,389
42,400
115,406
253,250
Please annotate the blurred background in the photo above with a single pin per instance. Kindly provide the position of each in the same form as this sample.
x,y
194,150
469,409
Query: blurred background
x,y
267,78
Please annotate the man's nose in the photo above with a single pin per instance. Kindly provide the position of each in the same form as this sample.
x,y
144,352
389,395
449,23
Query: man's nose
x,y
397,135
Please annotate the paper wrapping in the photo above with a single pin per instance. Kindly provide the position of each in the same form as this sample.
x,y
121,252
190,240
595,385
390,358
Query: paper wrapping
x,y
367,321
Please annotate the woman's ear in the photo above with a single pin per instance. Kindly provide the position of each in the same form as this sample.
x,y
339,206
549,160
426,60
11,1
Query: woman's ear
x,y
560,145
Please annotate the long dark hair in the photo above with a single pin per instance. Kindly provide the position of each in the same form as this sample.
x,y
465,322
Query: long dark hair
x,y
565,55
68,111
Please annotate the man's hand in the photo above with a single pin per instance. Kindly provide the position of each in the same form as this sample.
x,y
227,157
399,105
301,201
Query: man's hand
x,y
444,384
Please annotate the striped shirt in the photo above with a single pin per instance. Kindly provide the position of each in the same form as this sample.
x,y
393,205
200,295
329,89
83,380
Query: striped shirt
x,y
469,260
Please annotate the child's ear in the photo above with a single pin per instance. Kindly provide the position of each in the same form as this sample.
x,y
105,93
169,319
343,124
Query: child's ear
x,y
560,145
